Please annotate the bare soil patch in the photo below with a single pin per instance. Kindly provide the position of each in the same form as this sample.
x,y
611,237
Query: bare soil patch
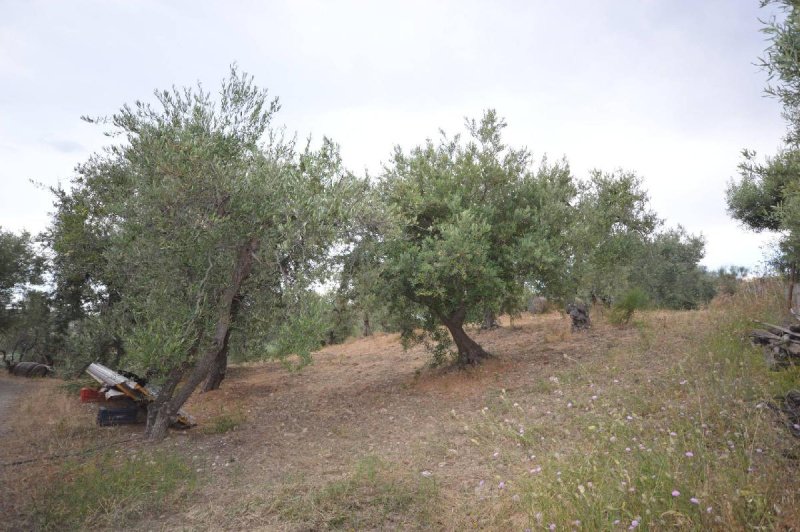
x,y
10,389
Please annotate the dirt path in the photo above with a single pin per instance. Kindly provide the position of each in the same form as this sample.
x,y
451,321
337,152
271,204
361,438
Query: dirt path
x,y
10,389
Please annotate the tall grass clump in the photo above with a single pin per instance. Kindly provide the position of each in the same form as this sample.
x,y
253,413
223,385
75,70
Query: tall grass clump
x,y
623,309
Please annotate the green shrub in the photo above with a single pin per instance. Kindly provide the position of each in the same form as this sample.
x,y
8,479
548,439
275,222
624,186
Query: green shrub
x,y
623,309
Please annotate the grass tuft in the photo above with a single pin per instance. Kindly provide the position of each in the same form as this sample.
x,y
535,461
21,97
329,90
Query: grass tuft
x,y
376,495
225,422
112,491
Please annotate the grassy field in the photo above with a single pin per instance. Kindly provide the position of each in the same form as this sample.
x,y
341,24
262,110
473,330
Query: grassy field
x,y
661,424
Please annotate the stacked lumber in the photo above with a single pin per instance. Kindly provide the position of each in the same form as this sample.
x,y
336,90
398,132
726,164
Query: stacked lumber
x,y
781,344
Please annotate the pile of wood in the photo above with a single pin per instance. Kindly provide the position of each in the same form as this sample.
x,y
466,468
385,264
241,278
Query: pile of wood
x,y
781,344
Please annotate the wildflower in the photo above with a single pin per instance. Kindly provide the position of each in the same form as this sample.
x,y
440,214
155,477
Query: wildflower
x,y
759,450
426,473
552,526
629,418
709,510
480,484
634,524
496,454
594,398
569,404
627,449
689,454
684,381
694,500
673,434
577,522
612,439
501,485
537,469
676,493
616,521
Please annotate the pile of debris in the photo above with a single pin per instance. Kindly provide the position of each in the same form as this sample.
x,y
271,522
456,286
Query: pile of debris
x,y
781,344
579,313
782,350
25,369
126,397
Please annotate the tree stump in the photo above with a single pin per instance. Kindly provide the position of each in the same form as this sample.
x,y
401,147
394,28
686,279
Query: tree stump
x,y
579,313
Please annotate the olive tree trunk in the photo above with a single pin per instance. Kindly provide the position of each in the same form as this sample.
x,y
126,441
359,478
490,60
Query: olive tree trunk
x,y
366,327
169,400
489,320
220,366
469,351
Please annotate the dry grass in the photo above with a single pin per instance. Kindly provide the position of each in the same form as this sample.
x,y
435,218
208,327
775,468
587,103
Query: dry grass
x,y
557,428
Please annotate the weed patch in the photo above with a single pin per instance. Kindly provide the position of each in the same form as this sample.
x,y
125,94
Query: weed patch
x,y
112,490
375,495
224,422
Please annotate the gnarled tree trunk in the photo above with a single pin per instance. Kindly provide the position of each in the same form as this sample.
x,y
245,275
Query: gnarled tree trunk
x,y
169,401
220,366
469,351
489,320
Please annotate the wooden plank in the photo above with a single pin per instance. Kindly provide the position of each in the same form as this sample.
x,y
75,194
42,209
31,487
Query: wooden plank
x,y
781,329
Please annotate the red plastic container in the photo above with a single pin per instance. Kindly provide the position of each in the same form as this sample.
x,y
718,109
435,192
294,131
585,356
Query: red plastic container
x,y
88,395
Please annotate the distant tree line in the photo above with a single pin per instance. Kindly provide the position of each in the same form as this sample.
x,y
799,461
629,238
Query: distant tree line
x,y
207,234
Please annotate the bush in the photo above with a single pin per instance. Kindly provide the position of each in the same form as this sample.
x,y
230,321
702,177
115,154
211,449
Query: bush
x,y
623,309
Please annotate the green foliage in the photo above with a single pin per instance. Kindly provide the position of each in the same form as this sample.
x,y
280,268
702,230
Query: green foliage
x,y
112,491
163,216
20,266
781,61
623,309
767,195
666,269
473,220
727,280
618,244
613,222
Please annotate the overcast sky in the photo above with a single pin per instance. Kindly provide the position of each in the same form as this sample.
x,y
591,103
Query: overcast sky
x,y
666,88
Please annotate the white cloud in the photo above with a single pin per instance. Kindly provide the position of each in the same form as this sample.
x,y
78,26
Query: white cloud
x,y
665,88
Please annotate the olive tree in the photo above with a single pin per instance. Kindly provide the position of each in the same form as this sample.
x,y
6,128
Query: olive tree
x,y
474,221
212,213
766,196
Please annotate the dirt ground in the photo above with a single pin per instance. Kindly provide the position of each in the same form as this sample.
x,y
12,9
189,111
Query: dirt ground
x,y
10,389
369,397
